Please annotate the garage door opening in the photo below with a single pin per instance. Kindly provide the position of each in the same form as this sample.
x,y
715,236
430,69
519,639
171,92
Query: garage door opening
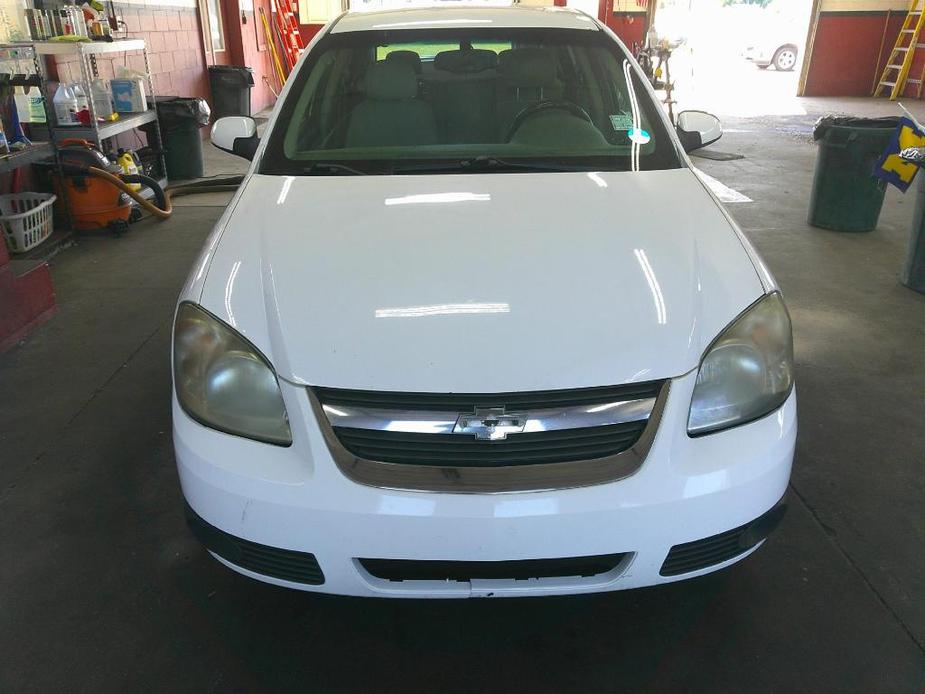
x,y
735,57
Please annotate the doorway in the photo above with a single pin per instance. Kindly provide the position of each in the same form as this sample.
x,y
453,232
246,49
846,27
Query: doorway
x,y
214,35
735,57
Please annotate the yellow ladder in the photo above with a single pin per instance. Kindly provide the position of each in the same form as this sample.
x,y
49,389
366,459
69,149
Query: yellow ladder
x,y
895,74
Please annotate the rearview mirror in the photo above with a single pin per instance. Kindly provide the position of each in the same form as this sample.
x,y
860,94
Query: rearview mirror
x,y
698,129
236,135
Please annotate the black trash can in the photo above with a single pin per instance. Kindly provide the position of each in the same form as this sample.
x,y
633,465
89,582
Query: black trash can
x,y
231,90
180,119
846,196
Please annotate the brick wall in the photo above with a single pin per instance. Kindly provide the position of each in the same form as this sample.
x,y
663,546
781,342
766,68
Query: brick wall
x,y
174,42
178,61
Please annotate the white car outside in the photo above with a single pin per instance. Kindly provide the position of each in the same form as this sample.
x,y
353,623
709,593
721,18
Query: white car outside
x,y
783,56
472,326
774,35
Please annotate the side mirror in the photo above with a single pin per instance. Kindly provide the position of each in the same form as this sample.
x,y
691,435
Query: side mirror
x,y
698,129
236,135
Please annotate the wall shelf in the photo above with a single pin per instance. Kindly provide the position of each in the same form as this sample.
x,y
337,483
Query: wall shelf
x,y
126,122
24,54
88,47
38,151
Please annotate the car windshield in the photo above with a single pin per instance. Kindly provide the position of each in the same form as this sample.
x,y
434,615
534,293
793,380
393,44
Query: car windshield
x,y
444,100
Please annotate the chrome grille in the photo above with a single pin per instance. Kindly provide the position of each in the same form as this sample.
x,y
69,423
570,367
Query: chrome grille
x,y
466,451
493,441
462,402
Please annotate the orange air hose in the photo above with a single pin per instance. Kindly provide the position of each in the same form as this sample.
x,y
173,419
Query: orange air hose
x,y
135,195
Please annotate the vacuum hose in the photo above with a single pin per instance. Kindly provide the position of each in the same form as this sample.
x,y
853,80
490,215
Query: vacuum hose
x,y
162,207
162,210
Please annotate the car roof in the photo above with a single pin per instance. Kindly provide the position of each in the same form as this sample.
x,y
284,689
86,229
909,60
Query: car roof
x,y
466,16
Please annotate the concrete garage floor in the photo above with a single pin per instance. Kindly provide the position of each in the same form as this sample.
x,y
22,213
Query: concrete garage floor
x,y
103,588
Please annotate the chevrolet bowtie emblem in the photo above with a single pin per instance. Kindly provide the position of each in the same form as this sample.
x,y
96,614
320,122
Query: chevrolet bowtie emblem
x,y
490,423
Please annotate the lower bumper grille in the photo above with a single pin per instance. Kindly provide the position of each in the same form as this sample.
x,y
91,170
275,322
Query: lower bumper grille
x,y
418,570
700,554
284,564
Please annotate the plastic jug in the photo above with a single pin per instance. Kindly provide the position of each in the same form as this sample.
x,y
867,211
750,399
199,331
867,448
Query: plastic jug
x,y
37,112
29,104
126,160
83,103
65,106
102,102
81,96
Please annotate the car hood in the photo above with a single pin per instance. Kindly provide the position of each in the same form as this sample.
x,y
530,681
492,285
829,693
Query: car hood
x,y
479,283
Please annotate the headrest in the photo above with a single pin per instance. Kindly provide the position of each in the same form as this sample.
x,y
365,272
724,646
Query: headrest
x,y
390,81
528,67
407,57
471,60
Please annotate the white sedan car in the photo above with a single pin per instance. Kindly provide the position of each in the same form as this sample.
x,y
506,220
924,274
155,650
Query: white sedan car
x,y
783,56
472,326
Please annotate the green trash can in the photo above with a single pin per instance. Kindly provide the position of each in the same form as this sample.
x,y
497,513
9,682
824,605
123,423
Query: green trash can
x,y
180,119
231,90
183,152
846,196
913,272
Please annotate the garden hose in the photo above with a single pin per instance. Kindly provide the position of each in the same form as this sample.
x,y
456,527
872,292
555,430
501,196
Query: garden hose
x,y
161,197
120,183
226,184
162,207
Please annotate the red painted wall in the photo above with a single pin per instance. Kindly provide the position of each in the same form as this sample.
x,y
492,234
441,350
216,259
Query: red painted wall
x,y
844,60
25,299
630,27
250,49
308,31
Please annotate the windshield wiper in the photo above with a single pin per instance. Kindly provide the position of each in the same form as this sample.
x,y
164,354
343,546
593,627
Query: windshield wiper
x,y
330,168
485,163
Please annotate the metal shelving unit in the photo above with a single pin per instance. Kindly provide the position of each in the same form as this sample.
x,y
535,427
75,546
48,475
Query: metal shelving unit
x,y
38,151
96,132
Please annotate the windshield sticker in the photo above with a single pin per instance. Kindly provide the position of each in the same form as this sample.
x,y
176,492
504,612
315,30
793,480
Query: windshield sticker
x,y
621,121
638,136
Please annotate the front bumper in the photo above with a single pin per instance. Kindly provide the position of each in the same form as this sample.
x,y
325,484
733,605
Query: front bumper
x,y
757,56
296,499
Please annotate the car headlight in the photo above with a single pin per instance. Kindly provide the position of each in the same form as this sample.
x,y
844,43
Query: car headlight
x,y
748,370
223,381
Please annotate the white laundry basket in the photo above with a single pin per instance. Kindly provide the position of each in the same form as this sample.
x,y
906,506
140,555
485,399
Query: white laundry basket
x,y
26,219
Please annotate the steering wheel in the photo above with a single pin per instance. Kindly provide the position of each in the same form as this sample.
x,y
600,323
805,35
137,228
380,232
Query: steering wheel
x,y
542,107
